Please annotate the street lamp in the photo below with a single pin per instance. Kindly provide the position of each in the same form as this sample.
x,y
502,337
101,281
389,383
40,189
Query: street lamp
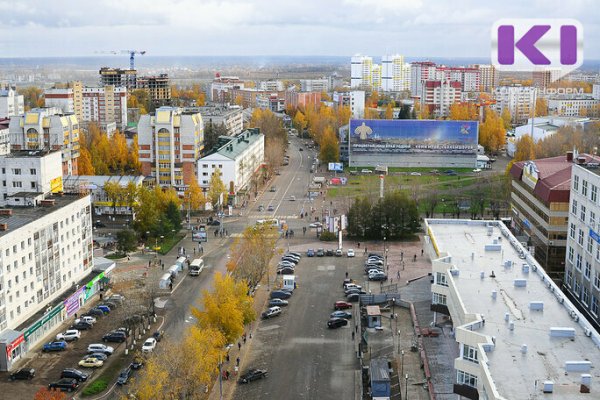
x,y
406,387
402,361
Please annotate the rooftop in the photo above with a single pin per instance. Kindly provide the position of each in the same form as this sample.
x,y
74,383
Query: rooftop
x,y
95,181
22,216
493,287
30,153
233,146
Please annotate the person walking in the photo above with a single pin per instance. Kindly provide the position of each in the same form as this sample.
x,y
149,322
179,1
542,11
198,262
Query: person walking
x,y
237,362
239,347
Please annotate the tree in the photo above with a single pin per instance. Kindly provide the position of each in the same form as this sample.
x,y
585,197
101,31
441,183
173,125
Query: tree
x,y
193,197
33,97
506,118
250,254
492,134
330,151
119,153
404,112
114,193
389,111
463,112
216,188
343,114
371,113
147,211
525,149
541,107
211,135
49,394
300,121
84,164
126,240
173,215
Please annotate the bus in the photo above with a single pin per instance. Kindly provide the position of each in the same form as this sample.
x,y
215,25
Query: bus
x,y
196,267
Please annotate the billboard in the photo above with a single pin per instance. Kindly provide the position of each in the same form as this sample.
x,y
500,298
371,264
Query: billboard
x,y
335,166
199,234
401,136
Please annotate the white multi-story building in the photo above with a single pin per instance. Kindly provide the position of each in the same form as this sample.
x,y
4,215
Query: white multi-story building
x,y
232,117
170,142
47,128
315,85
439,95
221,88
271,85
11,103
361,72
395,74
596,91
355,99
420,71
520,101
487,77
582,264
46,250
238,158
517,336
4,139
36,172
573,105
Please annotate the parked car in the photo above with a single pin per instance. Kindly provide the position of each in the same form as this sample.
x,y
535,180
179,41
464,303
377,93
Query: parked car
x,y
99,224
100,348
347,281
158,335
271,312
320,252
94,312
65,384
81,326
273,189
91,362
315,225
270,208
117,337
354,290
377,276
374,271
110,304
74,374
86,318
415,173
291,259
329,252
341,314
310,253
124,376
278,302
285,271
119,298
334,323
23,374
123,330
295,254
353,297
374,261
292,198
59,345
350,253
261,208
69,335
339,253
214,222
280,294
105,309
99,356
149,345
282,264
252,375
342,305
137,363
351,285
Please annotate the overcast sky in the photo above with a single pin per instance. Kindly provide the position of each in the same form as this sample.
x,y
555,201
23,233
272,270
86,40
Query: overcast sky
x,y
418,28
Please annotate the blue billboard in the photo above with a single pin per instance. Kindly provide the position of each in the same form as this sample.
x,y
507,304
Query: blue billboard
x,y
413,136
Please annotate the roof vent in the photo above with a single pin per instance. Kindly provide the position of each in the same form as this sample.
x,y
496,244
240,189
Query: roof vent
x,y
586,382
548,386
3,226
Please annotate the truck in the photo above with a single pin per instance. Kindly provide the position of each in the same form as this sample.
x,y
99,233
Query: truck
x,y
196,267
319,180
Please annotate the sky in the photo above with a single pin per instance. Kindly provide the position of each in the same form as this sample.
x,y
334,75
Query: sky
x,y
415,28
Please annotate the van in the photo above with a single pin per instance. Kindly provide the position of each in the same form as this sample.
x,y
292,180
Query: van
x,y
196,267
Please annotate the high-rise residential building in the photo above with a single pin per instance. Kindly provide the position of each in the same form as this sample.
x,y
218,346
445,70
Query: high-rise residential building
x,y
232,117
517,335
487,77
517,98
221,88
11,103
158,88
4,138
34,174
302,99
596,91
420,71
118,77
544,77
395,74
170,142
573,105
271,85
582,263
355,99
376,77
104,105
315,85
239,159
361,69
467,76
439,95
47,129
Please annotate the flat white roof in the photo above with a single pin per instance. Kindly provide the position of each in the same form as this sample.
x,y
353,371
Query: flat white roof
x,y
516,374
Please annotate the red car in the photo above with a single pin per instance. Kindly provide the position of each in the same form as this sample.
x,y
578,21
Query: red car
x,y
342,305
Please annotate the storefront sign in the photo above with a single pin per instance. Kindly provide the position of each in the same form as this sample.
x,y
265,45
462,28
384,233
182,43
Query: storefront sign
x,y
72,303
10,347
40,322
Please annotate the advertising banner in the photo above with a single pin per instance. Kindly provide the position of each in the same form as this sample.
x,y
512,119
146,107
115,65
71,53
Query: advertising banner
x,y
333,166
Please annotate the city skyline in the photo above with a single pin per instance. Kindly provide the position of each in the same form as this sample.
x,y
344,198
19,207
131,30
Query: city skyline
x,y
419,29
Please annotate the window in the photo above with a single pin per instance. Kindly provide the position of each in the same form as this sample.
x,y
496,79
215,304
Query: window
x,y
592,219
582,215
576,183
581,237
574,207
590,245
32,171
576,288
572,231
33,185
584,187
594,305
464,378
569,278
221,166
440,279
17,184
585,297
204,165
597,280
578,263
594,194
470,353
438,299
587,272
16,171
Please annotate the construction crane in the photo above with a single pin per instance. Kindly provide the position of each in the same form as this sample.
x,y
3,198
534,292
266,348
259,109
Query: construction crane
x,y
132,54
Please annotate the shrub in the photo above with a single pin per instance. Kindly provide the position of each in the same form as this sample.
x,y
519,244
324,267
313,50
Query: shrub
x,y
98,386
327,236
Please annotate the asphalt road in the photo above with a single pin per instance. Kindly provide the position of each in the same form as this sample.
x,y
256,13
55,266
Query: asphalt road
x,y
305,359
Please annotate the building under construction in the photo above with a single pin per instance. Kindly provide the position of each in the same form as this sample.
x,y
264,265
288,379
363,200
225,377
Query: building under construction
x,y
158,87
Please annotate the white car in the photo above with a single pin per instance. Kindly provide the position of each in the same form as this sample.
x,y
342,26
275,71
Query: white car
x,y
315,225
100,348
350,252
88,319
366,171
69,335
149,345
415,173
91,362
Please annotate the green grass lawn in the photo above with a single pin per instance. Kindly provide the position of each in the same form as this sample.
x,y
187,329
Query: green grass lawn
x,y
167,244
106,378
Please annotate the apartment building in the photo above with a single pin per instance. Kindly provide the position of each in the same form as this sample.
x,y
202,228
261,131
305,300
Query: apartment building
x,y
395,74
272,85
118,77
47,129
517,335
439,95
11,103
315,85
520,101
232,117
420,71
354,99
582,264
158,88
573,105
239,159
487,77
540,191
270,102
170,141
302,99
221,88
36,173
544,77
46,251
361,72
467,76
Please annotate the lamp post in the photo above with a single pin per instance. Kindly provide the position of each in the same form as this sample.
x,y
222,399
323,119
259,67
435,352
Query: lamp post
x,y
406,387
402,363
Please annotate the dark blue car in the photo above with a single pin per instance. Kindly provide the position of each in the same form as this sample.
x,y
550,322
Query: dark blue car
x,y
55,346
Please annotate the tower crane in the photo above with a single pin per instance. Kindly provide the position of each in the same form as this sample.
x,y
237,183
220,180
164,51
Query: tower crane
x,y
132,54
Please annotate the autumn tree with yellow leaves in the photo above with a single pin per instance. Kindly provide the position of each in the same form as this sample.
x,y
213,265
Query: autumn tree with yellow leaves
x,y
101,155
463,112
216,189
193,198
492,135
251,253
329,146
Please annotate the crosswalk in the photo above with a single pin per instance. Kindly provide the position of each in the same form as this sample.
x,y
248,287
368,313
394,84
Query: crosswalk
x,y
268,216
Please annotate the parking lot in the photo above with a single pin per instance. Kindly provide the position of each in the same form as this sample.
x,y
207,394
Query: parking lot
x,y
304,358
48,366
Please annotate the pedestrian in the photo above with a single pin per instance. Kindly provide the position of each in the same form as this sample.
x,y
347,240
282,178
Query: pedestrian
x,y
251,332
171,286
358,245
237,361
239,346
356,328
227,357
163,267
398,274
415,258
244,339
227,374
235,370
353,335
391,280
194,251
149,263
128,258
401,255
346,274
421,252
